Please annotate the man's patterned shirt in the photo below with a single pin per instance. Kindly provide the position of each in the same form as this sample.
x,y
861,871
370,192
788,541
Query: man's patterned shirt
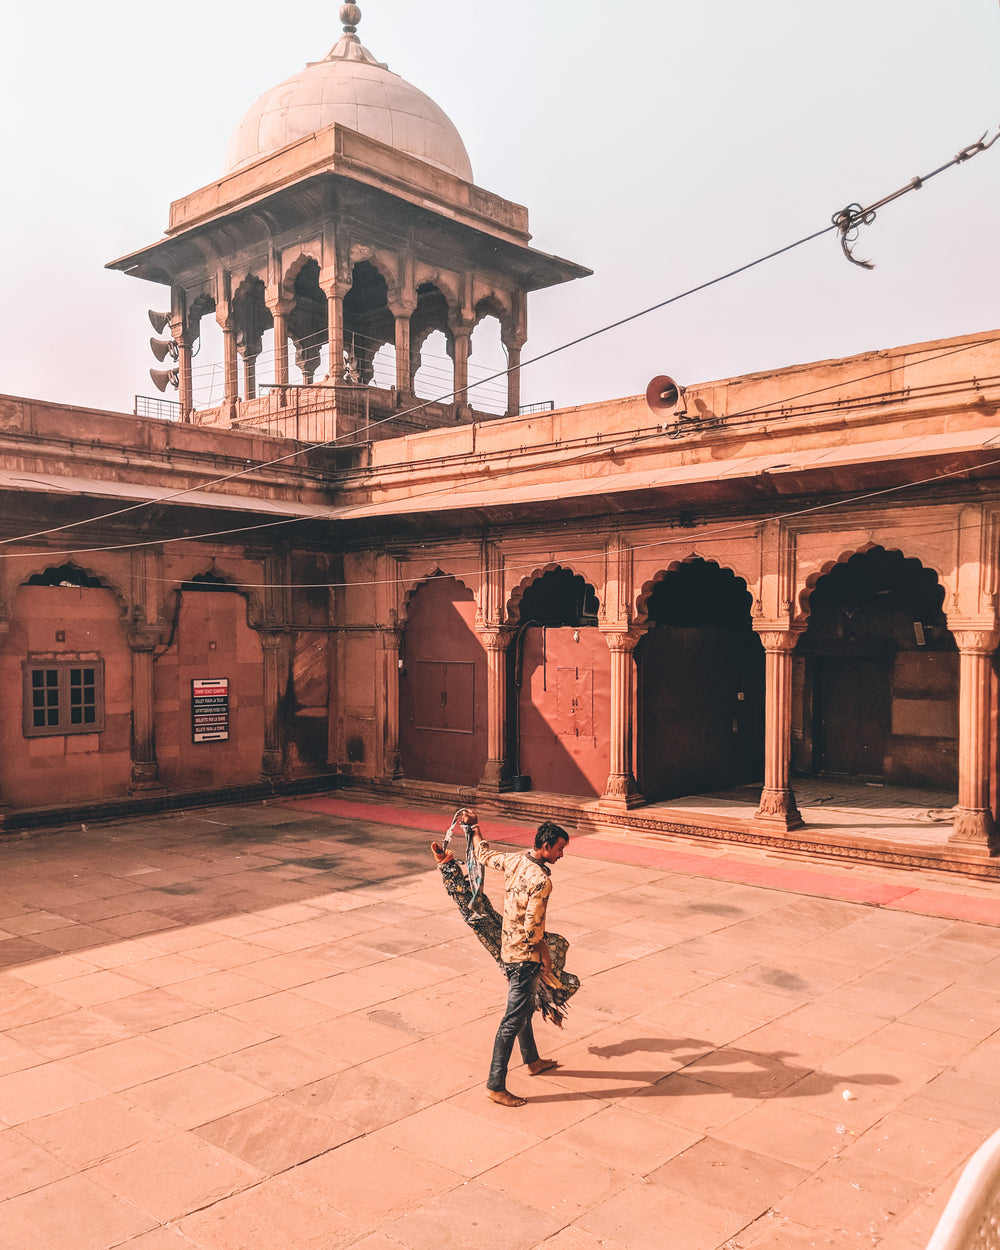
x,y
527,886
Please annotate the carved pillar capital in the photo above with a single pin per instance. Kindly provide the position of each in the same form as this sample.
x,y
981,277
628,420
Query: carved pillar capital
x,y
494,638
976,641
773,638
619,639
141,637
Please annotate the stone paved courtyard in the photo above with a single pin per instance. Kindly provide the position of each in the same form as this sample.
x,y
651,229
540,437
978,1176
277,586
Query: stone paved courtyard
x,y
266,1026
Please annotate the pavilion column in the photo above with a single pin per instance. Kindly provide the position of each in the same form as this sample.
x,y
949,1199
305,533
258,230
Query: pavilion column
x,y
463,347
392,649
275,672
621,788
513,381
145,774
280,347
185,383
974,818
4,630
497,775
249,376
230,363
777,802
335,330
402,314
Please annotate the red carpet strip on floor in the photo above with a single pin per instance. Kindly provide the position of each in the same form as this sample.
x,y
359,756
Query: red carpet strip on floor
x,y
900,897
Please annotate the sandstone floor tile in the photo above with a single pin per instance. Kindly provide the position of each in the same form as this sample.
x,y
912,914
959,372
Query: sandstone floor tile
x,y
354,1037
371,1180
573,1184
954,1100
275,1135
132,1061
42,1090
220,989
650,1217
74,937
574,1238
851,1197
282,1013
347,992
619,1137
197,1095
170,1178
151,1009
270,1216
70,1212
549,1110
982,1062
278,1065
931,1044
24,1166
286,972
470,1217
742,1181
688,1103
698,1027
457,1139
209,1036
758,1004
777,1232
97,1130
882,994
62,1036
360,1098
15,1057
778,1129
162,1238
919,1150
746,1073
434,1072
836,1023
159,971
58,968
977,1026
23,1004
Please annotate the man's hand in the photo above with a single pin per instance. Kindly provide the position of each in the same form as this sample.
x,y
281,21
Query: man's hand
x,y
468,817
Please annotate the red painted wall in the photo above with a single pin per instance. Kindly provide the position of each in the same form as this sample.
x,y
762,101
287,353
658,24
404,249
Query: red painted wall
x,y
211,639
39,772
564,710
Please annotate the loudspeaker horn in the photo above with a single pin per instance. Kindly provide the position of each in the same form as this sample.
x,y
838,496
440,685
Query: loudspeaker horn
x,y
159,321
663,394
161,348
162,378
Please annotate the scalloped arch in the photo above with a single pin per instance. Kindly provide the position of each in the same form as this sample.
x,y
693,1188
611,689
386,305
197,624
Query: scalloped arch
x,y
647,588
804,595
107,582
513,607
213,574
292,270
438,574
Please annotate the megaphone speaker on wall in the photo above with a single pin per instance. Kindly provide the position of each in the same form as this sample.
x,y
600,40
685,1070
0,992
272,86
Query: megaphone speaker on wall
x,y
663,394
162,378
161,348
158,320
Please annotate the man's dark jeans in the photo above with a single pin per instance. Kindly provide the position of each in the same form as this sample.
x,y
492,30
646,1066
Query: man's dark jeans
x,y
516,1022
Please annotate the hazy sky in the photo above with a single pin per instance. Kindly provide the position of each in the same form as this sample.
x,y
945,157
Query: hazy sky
x,y
658,143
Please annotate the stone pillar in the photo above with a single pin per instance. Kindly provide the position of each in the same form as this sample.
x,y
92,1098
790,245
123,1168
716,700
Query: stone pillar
x,y
513,381
402,314
392,644
185,384
463,345
974,819
230,362
249,376
777,802
145,768
280,346
621,789
272,766
335,330
497,775
4,629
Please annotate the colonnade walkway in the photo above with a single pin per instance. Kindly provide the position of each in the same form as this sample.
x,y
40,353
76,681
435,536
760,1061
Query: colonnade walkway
x,y
267,1026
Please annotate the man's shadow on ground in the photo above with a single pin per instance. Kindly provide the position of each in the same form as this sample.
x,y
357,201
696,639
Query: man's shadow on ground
x,y
773,1076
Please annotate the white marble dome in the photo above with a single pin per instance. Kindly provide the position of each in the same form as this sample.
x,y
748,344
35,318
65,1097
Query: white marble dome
x,y
350,87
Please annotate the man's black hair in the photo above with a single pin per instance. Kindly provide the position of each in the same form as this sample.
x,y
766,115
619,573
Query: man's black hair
x,y
549,833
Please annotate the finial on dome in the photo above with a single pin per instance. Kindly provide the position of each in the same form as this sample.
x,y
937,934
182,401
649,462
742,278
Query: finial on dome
x,y
350,15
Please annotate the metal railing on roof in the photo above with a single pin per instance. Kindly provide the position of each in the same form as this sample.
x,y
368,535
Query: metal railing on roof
x,y
153,406
547,405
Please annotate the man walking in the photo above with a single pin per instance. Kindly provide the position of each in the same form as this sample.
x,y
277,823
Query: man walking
x,y
524,953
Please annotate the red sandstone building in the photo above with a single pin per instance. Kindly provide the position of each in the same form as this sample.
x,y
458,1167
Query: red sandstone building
x,y
659,619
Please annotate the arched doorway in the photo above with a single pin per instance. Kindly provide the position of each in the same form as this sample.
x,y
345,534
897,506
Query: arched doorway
x,y
561,676
442,687
878,673
701,685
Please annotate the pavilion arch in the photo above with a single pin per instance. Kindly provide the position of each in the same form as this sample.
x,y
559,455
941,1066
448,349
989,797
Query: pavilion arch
x,y
488,357
442,684
648,588
417,583
307,319
589,600
805,592
700,682
85,578
214,578
369,325
876,674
